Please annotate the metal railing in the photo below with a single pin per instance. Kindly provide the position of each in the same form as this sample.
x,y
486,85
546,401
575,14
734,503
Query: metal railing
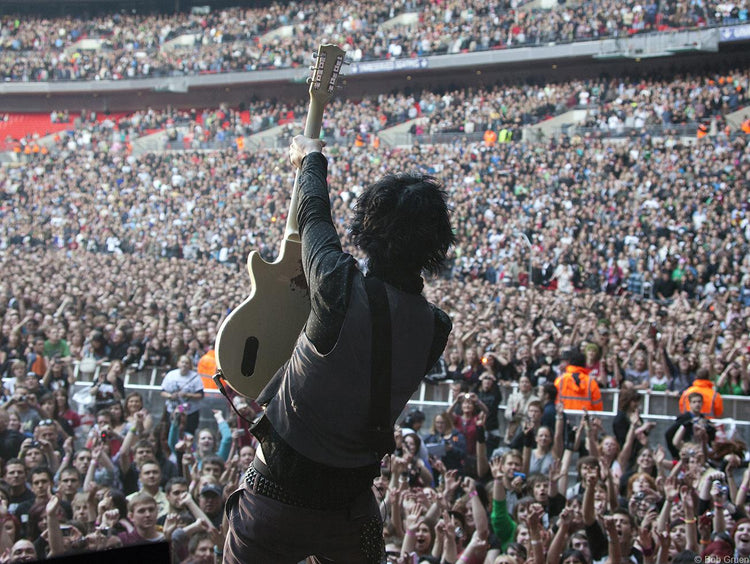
x,y
660,407
432,398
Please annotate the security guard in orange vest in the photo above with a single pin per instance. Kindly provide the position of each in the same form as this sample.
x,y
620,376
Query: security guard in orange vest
x,y
575,389
702,131
746,126
713,404
490,138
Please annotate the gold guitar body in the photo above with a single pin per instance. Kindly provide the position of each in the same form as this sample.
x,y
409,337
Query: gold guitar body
x,y
258,337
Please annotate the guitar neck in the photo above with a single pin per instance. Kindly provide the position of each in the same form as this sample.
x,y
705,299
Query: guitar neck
x,y
312,130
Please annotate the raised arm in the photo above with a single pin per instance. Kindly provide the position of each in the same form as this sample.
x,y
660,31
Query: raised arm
x,y
691,525
559,439
481,524
557,546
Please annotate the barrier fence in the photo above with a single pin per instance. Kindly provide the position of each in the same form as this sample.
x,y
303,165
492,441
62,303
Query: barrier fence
x,y
432,398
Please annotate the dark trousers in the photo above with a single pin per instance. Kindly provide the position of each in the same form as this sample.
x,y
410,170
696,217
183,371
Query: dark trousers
x,y
265,531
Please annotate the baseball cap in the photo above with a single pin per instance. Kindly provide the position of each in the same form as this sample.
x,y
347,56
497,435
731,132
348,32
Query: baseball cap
x,y
211,489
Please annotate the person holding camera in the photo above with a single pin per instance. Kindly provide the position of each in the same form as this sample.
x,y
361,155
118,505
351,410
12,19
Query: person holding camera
x,y
446,442
518,402
25,406
466,422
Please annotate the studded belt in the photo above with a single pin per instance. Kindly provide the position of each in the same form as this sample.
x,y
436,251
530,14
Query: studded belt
x,y
266,487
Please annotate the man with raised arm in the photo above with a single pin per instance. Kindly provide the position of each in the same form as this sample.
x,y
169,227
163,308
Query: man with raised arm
x,y
309,492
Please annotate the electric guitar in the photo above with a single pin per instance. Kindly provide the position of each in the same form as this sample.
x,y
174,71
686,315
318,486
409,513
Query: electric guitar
x,y
258,337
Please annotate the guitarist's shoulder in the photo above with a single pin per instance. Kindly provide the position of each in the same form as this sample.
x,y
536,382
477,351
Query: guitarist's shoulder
x,y
443,323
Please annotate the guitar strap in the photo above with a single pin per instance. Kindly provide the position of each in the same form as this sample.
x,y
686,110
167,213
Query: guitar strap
x,y
380,429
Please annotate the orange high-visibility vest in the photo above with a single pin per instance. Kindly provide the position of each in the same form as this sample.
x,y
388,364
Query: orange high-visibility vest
x,y
490,138
746,126
582,395
713,404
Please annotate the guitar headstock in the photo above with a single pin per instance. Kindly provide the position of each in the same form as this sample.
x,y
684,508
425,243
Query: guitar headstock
x,y
326,70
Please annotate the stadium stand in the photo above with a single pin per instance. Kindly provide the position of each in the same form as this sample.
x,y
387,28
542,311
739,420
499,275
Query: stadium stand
x,y
624,230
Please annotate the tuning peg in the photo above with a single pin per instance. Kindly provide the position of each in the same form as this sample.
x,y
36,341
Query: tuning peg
x,y
315,54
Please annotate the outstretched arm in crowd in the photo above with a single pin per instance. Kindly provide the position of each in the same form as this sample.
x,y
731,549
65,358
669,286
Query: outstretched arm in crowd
x,y
733,462
124,457
647,540
593,425
671,493
562,481
634,433
557,546
617,371
534,523
594,532
450,551
483,463
613,541
679,437
54,534
691,522
608,478
67,458
481,524
502,524
411,524
741,496
475,551
717,496
394,498
226,435
559,439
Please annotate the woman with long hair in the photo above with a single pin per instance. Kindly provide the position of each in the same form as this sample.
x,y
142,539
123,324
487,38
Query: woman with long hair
x,y
63,413
119,423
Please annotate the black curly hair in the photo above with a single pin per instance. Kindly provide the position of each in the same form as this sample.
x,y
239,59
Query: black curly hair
x,y
402,222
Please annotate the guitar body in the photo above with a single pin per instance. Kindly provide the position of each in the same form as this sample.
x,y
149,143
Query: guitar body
x,y
258,337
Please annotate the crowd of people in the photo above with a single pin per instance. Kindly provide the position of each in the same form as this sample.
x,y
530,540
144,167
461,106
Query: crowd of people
x,y
614,107
636,254
122,46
